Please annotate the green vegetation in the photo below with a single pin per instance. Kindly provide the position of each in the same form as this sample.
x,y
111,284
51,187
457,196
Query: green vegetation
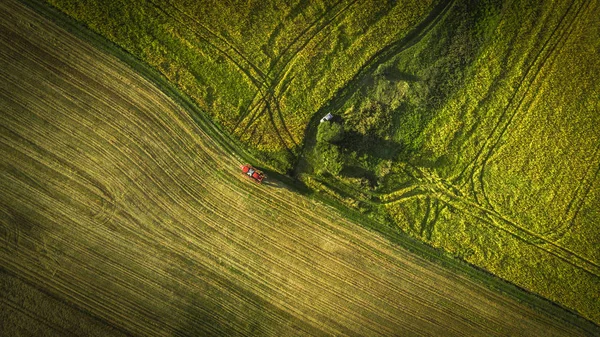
x,y
122,217
327,157
469,125
482,139
259,68
388,108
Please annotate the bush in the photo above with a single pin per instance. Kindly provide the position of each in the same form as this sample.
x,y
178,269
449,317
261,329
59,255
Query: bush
x,y
329,158
329,132
373,119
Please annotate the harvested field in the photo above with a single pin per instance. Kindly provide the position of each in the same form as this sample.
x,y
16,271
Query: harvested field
x,y
259,69
121,212
482,139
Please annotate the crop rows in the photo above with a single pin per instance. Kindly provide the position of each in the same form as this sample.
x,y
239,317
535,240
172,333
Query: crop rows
x,y
504,174
261,73
116,203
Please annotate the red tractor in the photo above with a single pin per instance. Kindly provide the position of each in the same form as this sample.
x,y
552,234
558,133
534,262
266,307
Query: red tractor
x,y
253,173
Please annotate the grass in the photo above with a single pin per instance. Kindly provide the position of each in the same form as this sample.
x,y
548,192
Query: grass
x,y
484,144
129,228
539,159
432,115
260,70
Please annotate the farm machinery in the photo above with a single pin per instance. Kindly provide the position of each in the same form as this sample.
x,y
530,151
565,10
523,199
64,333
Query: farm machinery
x,y
253,173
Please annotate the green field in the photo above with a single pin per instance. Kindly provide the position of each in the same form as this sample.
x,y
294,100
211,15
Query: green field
x,y
260,69
484,142
471,125
468,125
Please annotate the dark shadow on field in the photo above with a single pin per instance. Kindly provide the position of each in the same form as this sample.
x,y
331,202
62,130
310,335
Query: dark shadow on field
x,y
208,311
30,308
394,74
278,180
359,172
272,183
373,146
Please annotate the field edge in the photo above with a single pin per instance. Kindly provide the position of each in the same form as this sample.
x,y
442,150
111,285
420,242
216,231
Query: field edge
x,y
430,253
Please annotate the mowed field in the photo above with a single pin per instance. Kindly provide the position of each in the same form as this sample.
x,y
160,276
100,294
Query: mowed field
x,y
120,216
482,139
260,69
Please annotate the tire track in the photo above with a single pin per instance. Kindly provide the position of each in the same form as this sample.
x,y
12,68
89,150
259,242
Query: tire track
x,y
251,70
266,96
478,164
272,97
491,143
577,201
500,222
504,113
446,193
211,249
560,43
228,44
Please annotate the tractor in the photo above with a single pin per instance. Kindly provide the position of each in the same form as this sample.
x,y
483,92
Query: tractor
x,y
253,173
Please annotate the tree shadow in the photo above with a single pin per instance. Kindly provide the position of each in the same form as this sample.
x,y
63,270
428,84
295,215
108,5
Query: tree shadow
x,y
359,172
369,150
394,74
372,145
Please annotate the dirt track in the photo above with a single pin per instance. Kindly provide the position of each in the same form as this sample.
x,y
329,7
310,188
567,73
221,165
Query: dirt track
x,y
114,202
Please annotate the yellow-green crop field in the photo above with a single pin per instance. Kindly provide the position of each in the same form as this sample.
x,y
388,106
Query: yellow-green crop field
x,y
259,68
484,140
469,125
522,140
121,216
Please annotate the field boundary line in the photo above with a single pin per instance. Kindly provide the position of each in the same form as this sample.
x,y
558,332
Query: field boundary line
x,y
229,145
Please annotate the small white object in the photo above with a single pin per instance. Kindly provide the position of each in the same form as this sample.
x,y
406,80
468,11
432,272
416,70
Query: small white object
x,y
327,117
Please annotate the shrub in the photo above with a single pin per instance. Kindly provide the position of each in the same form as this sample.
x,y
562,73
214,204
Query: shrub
x,y
329,132
372,119
329,158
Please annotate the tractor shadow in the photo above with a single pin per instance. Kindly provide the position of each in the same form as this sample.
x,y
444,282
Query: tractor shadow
x,y
272,183
277,180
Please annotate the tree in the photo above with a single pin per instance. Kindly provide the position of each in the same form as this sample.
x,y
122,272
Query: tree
x,y
329,132
330,158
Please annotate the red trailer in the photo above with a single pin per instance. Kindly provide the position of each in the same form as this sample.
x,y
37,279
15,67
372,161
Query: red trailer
x,y
253,173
